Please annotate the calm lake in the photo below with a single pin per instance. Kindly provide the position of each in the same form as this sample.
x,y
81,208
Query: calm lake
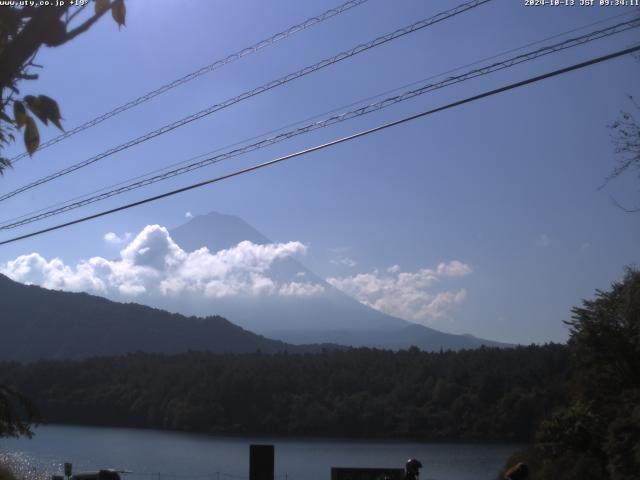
x,y
158,455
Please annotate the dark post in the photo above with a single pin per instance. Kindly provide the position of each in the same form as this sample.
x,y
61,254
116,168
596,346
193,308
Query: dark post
x,y
67,470
261,462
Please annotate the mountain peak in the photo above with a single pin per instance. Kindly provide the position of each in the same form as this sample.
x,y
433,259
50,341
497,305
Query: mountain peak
x,y
216,231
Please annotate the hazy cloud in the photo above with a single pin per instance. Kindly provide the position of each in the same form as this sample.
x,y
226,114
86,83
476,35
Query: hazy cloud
x,y
340,257
344,262
408,295
188,215
339,250
543,240
299,289
153,264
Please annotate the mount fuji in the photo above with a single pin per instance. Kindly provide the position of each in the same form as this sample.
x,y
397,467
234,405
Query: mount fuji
x,y
327,317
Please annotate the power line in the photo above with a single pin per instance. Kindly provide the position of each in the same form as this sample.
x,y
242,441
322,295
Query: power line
x,y
201,71
372,107
251,93
314,117
354,136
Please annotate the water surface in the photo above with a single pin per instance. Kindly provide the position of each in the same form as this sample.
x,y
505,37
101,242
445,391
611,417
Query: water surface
x,y
161,455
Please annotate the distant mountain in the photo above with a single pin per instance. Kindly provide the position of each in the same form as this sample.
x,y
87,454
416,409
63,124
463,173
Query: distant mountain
x,y
330,317
36,323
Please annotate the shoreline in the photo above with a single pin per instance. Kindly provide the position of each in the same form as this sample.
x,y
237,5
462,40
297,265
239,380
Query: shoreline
x,y
280,438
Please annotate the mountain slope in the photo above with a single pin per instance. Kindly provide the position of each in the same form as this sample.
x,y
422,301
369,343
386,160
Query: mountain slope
x,y
36,323
332,311
332,317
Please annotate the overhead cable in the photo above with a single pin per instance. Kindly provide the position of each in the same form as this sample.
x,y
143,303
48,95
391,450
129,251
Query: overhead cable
x,y
251,93
372,107
267,42
323,146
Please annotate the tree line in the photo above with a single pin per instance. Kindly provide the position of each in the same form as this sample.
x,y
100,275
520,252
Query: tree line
x,y
485,394
578,405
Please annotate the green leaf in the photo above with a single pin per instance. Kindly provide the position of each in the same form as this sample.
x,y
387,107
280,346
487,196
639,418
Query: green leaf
x,y
50,110
119,12
34,105
19,114
31,135
45,108
4,164
101,5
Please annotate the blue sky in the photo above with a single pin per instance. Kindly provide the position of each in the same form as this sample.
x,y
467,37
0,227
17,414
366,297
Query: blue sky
x,y
506,185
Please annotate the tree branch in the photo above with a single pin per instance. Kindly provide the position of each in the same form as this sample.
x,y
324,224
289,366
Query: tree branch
x,y
27,76
83,27
72,16
622,207
26,43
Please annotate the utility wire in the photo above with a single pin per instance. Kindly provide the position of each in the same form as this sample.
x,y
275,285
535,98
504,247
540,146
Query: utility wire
x,y
251,93
201,71
354,136
314,117
372,107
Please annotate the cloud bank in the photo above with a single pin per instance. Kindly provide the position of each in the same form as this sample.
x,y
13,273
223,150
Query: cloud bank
x,y
152,268
153,264
407,295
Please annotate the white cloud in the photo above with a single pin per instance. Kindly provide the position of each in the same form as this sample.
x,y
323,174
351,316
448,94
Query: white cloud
x,y
406,295
153,264
34,269
454,268
188,215
113,239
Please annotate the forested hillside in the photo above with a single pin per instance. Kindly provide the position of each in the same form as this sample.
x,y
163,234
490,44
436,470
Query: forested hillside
x,y
37,323
484,394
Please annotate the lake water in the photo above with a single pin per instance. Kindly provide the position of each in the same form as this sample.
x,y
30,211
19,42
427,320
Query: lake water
x,y
159,455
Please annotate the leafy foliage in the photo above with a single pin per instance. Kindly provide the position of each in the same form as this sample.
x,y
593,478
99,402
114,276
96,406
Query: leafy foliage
x,y
625,134
484,394
24,29
597,435
626,139
119,12
6,473
16,413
